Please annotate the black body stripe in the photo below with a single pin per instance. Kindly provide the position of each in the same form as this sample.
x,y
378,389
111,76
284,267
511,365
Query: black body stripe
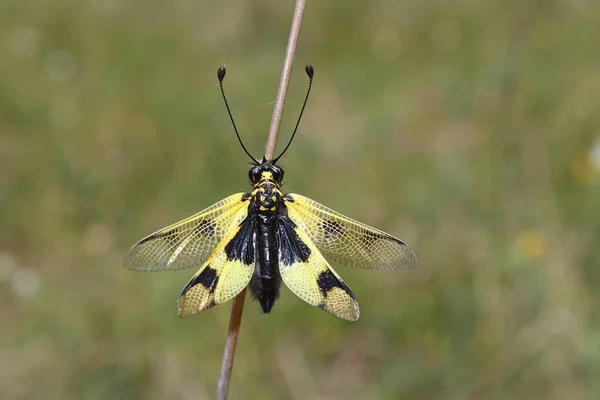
x,y
327,281
241,247
266,245
266,281
277,244
291,248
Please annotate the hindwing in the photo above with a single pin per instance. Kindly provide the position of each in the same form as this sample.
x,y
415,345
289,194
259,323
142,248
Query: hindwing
x,y
347,241
190,242
225,274
306,273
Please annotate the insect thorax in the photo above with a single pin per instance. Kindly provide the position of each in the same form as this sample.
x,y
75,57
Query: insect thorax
x,y
267,197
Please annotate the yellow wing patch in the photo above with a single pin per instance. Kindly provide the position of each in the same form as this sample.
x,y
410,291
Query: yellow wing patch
x,y
347,241
190,242
306,273
220,279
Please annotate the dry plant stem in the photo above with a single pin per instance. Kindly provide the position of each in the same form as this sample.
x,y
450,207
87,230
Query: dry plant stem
x,y
238,303
284,83
232,335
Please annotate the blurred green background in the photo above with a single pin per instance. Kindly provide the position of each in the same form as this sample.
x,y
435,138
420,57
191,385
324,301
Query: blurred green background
x,y
469,129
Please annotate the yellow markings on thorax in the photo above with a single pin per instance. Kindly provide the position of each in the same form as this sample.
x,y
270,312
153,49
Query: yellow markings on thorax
x,y
262,188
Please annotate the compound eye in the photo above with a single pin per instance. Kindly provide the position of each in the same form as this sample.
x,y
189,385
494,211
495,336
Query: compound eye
x,y
277,175
253,175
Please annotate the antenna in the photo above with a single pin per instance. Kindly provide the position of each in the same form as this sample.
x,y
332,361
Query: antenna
x,y
221,75
310,72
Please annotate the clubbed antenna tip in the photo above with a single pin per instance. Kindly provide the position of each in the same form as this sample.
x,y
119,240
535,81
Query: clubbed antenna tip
x,y
309,71
222,71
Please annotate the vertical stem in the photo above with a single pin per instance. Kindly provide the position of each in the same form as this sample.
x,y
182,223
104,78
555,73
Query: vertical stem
x,y
284,83
238,303
232,336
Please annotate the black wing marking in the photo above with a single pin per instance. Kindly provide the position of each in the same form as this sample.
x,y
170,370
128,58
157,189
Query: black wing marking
x,y
309,276
347,241
190,242
226,273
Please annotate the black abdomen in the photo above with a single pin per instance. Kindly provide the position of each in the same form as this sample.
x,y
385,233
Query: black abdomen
x,y
266,280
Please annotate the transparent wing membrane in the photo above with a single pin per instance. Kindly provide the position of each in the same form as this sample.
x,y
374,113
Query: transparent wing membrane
x,y
346,241
190,242
306,273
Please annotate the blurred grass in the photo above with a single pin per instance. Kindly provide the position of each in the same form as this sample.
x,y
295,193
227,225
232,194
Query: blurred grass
x,y
469,129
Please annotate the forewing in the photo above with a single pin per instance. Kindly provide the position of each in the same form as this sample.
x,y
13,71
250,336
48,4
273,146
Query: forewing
x,y
188,243
309,276
226,273
347,241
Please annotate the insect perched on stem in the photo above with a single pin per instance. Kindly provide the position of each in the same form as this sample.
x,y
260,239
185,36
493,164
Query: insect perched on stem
x,y
265,236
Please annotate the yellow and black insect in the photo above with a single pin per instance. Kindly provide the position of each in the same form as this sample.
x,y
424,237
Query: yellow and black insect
x,y
265,236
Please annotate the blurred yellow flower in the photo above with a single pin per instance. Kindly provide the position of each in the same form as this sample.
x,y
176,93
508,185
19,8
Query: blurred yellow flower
x,y
530,245
583,170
